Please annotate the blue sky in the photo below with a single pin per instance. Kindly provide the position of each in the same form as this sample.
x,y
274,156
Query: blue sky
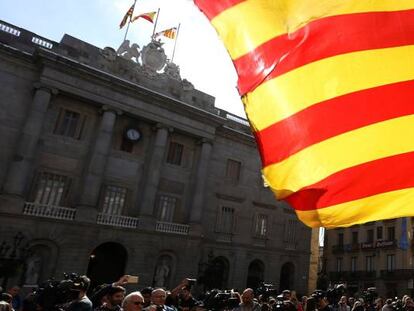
x,y
202,58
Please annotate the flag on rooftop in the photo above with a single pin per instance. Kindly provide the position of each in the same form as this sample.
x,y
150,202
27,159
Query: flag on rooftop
x,y
127,15
328,87
169,33
147,16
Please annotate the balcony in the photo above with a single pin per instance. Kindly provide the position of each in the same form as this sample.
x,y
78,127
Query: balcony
x,y
338,249
117,221
367,246
386,244
352,275
338,276
49,211
171,227
400,274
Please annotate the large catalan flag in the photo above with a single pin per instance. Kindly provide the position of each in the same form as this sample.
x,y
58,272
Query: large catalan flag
x,y
328,87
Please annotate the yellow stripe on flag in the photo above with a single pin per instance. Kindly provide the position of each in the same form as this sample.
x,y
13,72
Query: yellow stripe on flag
x,y
386,205
321,160
331,77
252,23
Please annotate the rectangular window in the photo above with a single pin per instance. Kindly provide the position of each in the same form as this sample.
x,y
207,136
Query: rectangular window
x,y
51,189
355,237
340,239
353,264
261,225
175,153
70,124
166,208
390,262
339,264
370,236
379,233
225,221
290,232
114,200
391,234
370,263
233,170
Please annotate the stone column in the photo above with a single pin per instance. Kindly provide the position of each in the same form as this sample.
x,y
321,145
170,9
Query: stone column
x,y
21,165
87,211
153,176
200,186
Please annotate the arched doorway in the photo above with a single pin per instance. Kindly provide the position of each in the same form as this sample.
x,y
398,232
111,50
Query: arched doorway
x,y
217,274
255,274
287,276
107,263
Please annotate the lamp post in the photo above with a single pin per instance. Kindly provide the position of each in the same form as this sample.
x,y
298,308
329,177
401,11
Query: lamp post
x,y
12,257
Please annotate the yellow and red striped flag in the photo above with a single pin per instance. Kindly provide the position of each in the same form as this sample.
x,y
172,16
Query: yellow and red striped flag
x,y
328,87
147,16
169,33
127,15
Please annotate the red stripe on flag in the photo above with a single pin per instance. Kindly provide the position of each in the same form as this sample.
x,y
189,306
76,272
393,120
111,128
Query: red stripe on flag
x,y
323,38
357,182
213,8
339,115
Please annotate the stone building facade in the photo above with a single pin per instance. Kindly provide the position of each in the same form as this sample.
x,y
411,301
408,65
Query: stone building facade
x,y
376,254
109,165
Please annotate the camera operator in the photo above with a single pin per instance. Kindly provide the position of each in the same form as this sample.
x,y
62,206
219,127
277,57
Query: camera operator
x,y
248,304
322,303
158,297
82,303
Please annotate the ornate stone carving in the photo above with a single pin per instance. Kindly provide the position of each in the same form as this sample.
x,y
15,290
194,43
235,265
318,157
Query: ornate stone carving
x,y
129,52
172,71
153,56
187,85
109,54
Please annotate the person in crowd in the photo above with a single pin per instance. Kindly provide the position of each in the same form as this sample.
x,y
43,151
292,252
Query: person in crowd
x,y
351,301
343,304
185,300
82,302
408,304
388,305
311,304
16,299
146,293
248,303
378,304
303,302
286,294
295,301
133,302
6,297
158,297
114,295
322,303
5,306
358,305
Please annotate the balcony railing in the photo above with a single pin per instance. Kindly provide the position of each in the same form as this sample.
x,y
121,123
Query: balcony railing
x,y
49,211
399,274
171,227
340,248
117,221
352,275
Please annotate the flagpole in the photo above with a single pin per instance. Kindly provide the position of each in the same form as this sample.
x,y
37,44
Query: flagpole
x,y
175,43
155,25
129,22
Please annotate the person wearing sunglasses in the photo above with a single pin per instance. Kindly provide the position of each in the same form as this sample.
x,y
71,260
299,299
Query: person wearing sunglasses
x,y
133,302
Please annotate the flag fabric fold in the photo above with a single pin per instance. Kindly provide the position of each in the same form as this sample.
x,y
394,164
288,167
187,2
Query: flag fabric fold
x,y
328,87
127,15
170,33
150,16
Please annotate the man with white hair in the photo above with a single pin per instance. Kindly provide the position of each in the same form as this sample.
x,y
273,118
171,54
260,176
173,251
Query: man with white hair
x,y
158,297
133,302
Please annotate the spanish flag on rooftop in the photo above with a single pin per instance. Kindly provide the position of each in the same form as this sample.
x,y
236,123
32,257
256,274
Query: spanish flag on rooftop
x,y
328,87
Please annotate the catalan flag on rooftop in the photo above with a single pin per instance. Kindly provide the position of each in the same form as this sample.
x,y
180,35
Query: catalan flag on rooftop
x,y
150,16
170,33
328,87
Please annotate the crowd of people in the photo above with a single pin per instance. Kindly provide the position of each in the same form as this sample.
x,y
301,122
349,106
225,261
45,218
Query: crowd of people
x,y
114,297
